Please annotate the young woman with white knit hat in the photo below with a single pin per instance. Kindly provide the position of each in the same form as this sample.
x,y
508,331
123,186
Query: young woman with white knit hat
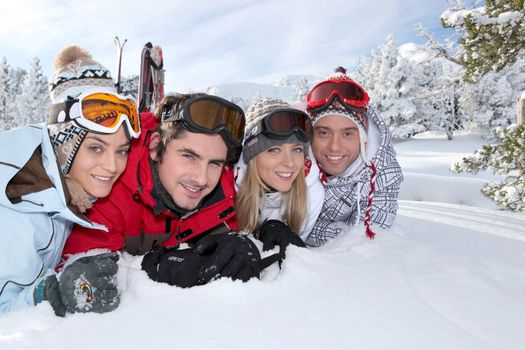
x,y
53,174
279,191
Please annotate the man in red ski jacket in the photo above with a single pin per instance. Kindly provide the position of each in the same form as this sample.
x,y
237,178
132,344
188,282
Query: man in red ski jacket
x,y
178,187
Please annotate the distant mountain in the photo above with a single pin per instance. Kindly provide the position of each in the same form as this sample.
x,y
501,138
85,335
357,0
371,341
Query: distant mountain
x,y
289,88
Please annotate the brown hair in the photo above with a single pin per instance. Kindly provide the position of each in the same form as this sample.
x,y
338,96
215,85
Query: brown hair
x,y
170,130
175,129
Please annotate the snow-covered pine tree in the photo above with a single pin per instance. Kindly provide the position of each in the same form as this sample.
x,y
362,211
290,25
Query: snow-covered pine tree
x,y
366,71
301,89
384,90
505,158
34,101
383,79
17,77
9,87
130,86
4,92
437,96
406,120
491,100
492,36
493,56
412,92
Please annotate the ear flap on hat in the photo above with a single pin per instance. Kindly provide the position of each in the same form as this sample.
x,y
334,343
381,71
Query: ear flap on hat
x,y
66,139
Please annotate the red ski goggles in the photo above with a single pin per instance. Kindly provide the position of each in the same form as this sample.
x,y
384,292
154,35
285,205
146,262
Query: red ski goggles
x,y
211,115
99,111
348,92
281,124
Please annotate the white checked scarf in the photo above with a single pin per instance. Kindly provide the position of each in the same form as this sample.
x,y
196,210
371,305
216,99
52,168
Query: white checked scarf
x,y
347,195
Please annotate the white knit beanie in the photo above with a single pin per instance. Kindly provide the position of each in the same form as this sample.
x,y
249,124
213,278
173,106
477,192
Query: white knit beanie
x,y
75,72
358,115
254,115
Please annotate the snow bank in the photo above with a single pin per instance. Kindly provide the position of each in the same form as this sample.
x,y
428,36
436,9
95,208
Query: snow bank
x,y
445,276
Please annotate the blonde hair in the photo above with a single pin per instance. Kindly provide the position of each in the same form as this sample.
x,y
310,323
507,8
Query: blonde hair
x,y
252,192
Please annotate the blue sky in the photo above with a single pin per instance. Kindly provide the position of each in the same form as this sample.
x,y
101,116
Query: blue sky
x,y
208,42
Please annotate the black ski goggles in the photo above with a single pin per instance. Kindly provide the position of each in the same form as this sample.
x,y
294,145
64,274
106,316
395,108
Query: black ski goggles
x,y
281,124
210,115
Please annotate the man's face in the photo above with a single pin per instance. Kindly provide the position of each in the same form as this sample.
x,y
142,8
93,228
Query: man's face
x,y
191,167
336,143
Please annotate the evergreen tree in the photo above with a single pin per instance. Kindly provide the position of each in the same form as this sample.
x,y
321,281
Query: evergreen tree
x,y
130,86
505,158
376,74
403,116
17,76
14,117
492,36
301,89
8,88
4,91
443,89
491,101
34,100
413,94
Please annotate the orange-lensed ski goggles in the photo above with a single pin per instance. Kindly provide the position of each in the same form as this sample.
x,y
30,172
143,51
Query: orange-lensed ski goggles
x,y
99,111
211,115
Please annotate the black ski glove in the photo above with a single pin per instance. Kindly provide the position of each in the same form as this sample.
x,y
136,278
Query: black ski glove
x,y
174,267
230,255
275,232
89,284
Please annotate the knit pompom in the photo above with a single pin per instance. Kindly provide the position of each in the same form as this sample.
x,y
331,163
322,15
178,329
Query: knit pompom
x,y
71,54
76,71
340,69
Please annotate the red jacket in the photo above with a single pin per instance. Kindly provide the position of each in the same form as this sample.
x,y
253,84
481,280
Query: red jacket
x,y
128,211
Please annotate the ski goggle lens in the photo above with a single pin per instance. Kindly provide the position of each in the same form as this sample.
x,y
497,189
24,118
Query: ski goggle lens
x,y
286,122
102,112
283,123
211,115
108,110
348,92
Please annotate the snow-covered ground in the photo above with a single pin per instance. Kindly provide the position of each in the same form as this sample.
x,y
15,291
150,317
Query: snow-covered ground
x,y
448,275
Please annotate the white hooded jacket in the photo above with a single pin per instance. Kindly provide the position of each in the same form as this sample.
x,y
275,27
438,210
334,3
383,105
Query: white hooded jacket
x,y
346,195
34,226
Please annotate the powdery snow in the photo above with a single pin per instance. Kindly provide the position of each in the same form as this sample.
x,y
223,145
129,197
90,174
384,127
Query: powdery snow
x,y
445,276
415,53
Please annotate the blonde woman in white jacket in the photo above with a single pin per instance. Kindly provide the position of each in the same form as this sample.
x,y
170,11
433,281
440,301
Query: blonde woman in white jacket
x,y
279,192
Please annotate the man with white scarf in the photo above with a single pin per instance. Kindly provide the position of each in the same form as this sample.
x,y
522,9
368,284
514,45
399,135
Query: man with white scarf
x,y
353,146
